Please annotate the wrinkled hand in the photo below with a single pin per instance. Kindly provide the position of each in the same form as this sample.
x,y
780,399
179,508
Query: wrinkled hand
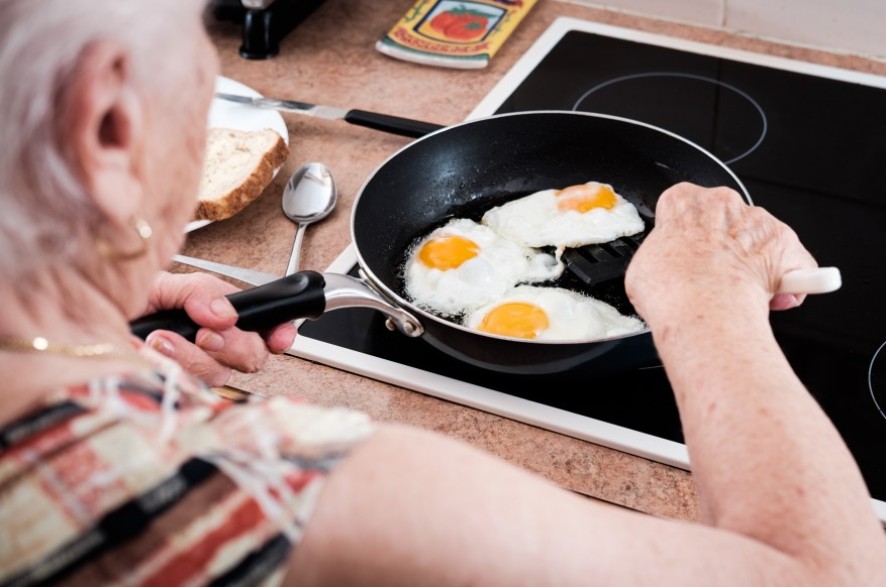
x,y
220,346
709,246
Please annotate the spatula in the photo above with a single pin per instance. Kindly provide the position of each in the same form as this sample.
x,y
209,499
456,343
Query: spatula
x,y
595,264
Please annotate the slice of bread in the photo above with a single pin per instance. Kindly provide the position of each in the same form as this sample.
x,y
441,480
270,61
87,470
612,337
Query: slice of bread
x,y
239,165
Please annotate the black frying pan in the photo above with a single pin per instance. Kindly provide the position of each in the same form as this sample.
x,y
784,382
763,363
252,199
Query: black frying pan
x,y
462,171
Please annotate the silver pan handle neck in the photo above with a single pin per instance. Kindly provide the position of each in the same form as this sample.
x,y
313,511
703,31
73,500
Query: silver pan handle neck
x,y
344,291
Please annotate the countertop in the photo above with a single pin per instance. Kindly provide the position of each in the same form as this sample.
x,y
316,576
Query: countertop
x,y
330,59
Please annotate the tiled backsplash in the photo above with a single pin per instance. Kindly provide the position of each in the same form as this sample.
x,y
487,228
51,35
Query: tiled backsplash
x,y
848,26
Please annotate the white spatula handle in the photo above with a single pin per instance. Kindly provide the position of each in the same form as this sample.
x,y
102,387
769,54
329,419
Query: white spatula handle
x,y
810,281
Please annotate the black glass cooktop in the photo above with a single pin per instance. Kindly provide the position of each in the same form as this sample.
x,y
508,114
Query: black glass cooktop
x,y
810,149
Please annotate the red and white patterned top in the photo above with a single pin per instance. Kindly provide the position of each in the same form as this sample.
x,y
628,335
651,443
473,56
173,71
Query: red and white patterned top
x,y
150,478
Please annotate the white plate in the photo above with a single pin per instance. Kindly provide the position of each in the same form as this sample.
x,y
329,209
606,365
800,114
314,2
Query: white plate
x,y
224,114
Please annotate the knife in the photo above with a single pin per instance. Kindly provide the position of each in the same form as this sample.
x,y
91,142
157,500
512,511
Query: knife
x,y
384,122
239,273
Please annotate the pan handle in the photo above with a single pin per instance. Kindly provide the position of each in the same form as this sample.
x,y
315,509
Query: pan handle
x,y
344,291
306,294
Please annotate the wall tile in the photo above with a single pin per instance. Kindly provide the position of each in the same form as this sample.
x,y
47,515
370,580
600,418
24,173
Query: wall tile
x,y
849,26
854,26
708,13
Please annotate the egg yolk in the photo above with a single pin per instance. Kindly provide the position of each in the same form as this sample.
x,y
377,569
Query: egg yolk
x,y
582,198
447,252
517,319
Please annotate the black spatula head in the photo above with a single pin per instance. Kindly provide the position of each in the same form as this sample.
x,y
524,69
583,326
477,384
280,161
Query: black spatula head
x,y
594,264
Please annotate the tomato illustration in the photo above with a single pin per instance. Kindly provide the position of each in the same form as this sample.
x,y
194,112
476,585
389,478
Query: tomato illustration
x,y
462,24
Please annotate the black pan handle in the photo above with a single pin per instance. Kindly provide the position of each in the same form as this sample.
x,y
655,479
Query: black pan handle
x,y
393,124
300,295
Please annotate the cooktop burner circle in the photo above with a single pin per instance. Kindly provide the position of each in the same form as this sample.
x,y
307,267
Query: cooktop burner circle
x,y
723,118
877,379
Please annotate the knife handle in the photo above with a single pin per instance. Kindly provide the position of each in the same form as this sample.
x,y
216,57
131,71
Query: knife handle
x,y
299,295
393,124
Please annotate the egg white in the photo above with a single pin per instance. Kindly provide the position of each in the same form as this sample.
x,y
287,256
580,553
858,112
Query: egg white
x,y
499,265
571,315
536,221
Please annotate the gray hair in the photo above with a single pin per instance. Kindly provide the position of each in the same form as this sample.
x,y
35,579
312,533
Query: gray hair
x,y
44,209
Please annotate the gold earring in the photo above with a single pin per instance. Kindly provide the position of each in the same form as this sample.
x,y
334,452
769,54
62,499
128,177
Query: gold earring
x,y
144,232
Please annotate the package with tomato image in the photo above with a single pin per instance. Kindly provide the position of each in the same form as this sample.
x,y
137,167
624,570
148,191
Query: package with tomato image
x,y
454,33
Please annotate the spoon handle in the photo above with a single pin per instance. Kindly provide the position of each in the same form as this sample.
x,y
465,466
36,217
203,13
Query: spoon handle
x,y
296,250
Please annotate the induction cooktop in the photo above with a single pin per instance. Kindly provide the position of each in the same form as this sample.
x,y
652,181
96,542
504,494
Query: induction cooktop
x,y
807,141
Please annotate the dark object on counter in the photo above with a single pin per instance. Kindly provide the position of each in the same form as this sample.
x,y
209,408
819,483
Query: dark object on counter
x,y
265,22
465,169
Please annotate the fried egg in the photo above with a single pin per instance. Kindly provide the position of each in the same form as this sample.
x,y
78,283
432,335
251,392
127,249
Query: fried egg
x,y
578,215
551,313
463,265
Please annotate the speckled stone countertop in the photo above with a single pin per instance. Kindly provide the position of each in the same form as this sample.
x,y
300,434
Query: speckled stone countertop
x,y
330,59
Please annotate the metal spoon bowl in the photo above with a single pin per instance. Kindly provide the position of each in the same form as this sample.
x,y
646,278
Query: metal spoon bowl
x,y
309,196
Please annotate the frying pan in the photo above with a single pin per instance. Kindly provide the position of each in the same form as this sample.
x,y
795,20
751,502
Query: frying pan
x,y
462,171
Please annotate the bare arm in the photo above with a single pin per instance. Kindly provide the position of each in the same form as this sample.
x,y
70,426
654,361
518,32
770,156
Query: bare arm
x,y
784,503
768,463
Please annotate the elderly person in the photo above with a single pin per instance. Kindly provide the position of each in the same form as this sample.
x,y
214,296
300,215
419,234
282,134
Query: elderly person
x,y
117,466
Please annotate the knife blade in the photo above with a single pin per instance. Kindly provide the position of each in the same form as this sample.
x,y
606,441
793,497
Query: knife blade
x,y
384,122
245,275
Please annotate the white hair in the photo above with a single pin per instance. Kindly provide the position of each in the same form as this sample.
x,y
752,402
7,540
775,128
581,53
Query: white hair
x,y
44,209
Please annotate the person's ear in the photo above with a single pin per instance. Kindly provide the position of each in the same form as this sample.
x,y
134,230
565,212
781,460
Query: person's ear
x,y
103,126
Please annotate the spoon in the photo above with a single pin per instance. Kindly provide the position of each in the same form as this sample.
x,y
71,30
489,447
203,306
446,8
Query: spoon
x,y
309,196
